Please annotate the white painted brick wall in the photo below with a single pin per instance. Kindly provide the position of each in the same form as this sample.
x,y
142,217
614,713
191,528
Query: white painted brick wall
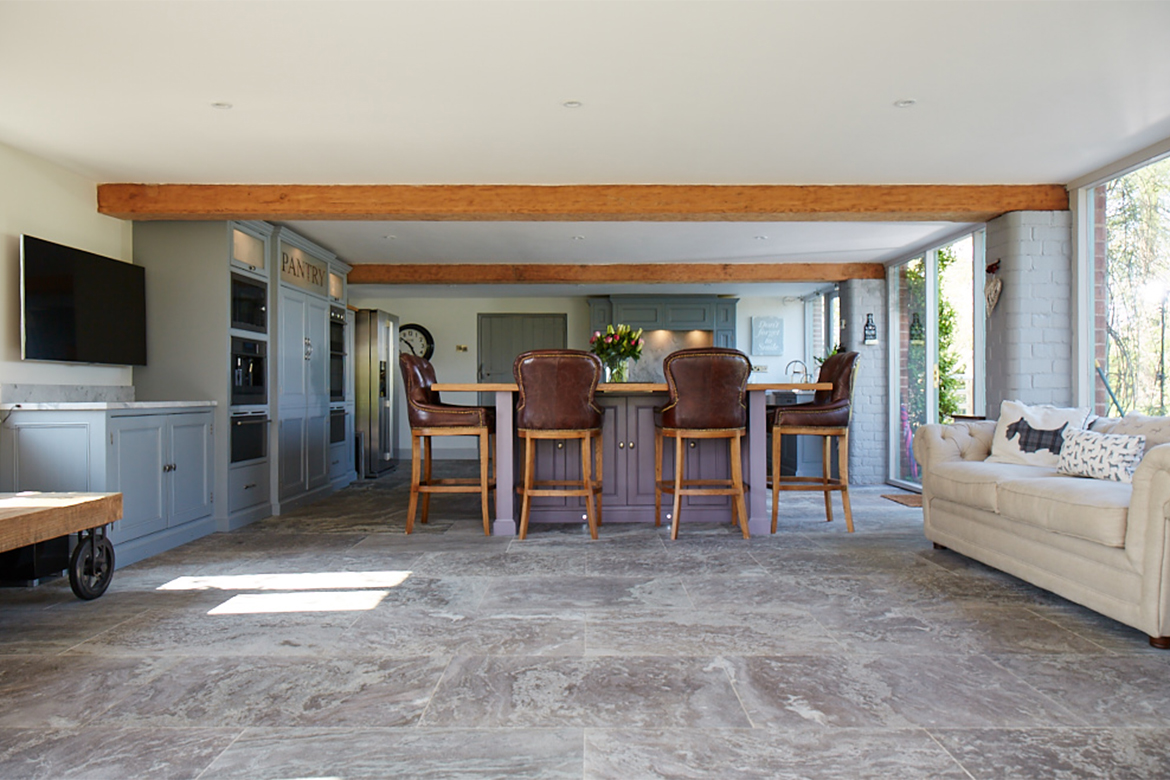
x,y
868,449
1029,335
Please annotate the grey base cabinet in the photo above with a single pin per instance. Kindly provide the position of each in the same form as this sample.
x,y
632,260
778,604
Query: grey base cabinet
x,y
628,468
160,458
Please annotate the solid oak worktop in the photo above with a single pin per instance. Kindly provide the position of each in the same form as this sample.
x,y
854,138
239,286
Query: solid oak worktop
x,y
755,451
617,387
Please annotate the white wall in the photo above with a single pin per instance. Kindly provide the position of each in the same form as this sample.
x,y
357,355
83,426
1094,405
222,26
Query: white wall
x,y
455,321
791,310
47,201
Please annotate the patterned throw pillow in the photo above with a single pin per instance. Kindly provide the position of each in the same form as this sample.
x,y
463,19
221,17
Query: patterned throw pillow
x,y
1155,429
1109,456
1033,435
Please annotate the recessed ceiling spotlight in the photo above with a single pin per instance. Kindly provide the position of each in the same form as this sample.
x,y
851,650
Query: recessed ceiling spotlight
x,y
389,238
572,104
577,238
761,238
904,103
221,106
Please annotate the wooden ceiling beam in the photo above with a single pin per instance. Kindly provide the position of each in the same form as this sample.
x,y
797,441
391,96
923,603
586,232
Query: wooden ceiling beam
x,y
625,273
585,203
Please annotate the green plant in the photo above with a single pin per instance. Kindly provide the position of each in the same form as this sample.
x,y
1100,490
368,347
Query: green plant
x,y
617,345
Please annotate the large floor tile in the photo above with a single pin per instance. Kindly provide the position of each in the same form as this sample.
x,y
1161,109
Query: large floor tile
x,y
508,692
698,754
1075,754
422,753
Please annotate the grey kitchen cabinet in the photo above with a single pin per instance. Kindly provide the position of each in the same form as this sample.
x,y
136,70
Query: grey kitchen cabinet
x,y
158,455
668,312
628,467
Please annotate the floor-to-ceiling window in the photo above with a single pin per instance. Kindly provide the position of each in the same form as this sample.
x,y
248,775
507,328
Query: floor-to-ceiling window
x,y
936,344
1129,280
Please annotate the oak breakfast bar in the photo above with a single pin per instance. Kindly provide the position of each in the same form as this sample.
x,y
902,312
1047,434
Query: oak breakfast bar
x,y
628,461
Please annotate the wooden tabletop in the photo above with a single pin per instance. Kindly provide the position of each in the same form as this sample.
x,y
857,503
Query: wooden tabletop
x,y
617,387
27,518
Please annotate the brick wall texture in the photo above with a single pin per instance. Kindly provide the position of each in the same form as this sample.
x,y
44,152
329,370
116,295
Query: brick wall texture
x,y
868,447
1030,333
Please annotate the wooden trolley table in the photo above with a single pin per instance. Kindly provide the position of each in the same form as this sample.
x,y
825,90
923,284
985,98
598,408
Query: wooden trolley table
x,y
30,517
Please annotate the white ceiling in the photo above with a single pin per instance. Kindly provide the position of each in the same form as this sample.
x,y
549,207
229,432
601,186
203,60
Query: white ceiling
x,y
714,92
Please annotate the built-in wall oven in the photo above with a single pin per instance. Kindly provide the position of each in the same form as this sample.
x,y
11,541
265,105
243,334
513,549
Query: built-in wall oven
x,y
337,425
337,354
249,371
249,435
249,304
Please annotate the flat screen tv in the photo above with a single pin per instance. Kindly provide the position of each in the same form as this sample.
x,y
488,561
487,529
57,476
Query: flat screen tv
x,y
80,307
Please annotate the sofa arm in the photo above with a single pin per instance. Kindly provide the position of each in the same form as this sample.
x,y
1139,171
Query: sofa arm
x,y
958,441
1147,534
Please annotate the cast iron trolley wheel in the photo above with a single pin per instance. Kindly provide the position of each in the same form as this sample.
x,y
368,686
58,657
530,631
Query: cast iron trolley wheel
x,y
91,567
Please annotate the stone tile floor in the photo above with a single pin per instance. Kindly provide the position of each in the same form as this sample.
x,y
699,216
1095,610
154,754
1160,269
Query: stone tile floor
x,y
808,654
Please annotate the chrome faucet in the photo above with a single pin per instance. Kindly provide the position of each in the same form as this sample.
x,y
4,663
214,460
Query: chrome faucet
x,y
801,374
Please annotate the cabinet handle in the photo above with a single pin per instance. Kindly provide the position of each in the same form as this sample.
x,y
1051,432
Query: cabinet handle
x,y
249,486
334,463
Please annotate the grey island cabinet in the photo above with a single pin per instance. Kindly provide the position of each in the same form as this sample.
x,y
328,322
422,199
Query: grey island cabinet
x,y
158,455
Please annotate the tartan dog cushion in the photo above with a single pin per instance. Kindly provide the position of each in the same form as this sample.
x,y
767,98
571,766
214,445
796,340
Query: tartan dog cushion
x,y
1033,435
1112,456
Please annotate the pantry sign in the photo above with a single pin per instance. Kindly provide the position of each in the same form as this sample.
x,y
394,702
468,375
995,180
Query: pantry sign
x,y
301,270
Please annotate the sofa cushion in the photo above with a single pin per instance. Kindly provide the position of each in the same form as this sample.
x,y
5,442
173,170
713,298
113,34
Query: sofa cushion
x,y
1082,508
1033,435
973,483
1155,429
1109,456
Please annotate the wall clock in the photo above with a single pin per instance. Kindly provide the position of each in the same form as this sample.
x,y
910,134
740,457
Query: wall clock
x,y
417,340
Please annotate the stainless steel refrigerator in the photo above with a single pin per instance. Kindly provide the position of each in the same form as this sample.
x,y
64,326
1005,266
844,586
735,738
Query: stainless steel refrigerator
x,y
376,378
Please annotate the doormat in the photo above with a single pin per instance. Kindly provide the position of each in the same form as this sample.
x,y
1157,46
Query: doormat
x,y
906,499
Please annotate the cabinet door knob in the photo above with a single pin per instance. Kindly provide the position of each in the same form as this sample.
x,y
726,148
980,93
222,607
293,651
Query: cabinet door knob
x,y
631,445
692,445
621,445
560,445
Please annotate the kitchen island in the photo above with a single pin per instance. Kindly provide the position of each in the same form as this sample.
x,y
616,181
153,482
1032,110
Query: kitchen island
x,y
628,458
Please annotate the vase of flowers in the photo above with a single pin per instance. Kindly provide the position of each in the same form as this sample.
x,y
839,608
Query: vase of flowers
x,y
617,347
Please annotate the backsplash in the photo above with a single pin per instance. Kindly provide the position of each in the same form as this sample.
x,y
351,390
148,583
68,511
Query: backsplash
x,y
659,344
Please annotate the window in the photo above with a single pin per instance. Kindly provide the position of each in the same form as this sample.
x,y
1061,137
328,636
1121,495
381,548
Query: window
x,y
936,317
1129,241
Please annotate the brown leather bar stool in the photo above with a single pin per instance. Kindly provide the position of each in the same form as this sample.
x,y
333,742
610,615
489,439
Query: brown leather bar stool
x,y
706,387
430,417
828,417
557,388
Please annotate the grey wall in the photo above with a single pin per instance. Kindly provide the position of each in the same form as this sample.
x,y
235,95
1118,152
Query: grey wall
x,y
868,447
1030,333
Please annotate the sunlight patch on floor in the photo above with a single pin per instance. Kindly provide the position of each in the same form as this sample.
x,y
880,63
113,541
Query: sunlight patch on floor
x,y
302,601
325,580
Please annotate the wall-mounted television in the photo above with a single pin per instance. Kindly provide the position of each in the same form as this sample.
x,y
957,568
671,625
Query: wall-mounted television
x,y
79,307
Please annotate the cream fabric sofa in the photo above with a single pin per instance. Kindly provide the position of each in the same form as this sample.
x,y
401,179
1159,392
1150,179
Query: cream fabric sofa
x,y
1104,545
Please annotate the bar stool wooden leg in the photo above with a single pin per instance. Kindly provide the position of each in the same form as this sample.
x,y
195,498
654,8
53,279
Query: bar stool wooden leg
x,y
598,472
776,449
679,448
843,466
587,486
657,478
739,505
426,496
414,481
484,459
826,471
526,501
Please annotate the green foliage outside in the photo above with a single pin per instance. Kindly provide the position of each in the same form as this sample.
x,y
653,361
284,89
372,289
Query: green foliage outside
x,y
949,366
1137,218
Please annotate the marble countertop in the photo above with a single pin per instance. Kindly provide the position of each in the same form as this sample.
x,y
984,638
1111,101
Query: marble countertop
x,y
99,406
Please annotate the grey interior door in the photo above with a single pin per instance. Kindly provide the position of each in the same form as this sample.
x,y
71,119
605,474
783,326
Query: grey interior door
x,y
504,336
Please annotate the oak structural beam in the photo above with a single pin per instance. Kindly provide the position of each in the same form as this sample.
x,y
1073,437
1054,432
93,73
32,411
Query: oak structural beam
x,y
579,202
625,273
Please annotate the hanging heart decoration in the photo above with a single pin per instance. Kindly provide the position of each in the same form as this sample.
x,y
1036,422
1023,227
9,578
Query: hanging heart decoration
x,y
991,292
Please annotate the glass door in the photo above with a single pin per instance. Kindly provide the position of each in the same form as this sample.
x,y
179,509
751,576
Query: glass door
x,y
936,345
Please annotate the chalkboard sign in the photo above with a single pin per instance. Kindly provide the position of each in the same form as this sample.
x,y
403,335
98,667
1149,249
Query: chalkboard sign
x,y
767,336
